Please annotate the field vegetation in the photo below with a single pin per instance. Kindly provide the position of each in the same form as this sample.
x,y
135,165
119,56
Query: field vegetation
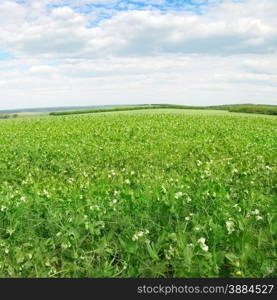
x,y
161,194
8,116
243,108
255,109
122,108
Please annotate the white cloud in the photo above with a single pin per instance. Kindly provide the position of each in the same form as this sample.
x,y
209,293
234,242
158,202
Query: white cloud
x,y
228,54
11,12
261,65
65,33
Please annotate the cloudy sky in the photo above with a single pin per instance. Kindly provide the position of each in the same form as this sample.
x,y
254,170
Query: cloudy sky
x,y
93,52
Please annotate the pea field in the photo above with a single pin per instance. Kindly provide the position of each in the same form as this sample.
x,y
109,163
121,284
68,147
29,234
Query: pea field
x,y
164,193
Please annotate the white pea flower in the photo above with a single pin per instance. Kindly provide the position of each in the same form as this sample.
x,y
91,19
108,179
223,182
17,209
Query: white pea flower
x,y
202,240
65,245
46,193
3,207
169,253
178,195
199,163
203,246
139,235
48,264
230,226
94,207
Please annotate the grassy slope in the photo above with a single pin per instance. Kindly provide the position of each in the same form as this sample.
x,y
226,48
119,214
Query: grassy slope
x,y
78,195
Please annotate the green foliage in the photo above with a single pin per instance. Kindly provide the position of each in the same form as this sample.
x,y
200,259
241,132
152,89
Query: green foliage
x,y
8,116
138,195
255,109
246,108
121,108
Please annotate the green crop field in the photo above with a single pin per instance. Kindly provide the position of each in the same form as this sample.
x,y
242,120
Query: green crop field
x,y
133,194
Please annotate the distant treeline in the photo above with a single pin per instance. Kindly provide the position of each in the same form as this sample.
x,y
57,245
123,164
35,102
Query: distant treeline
x,y
8,116
243,108
121,108
255,109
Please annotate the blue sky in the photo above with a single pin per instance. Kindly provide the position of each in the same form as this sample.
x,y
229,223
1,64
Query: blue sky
x,y
4,55
164,5
88,52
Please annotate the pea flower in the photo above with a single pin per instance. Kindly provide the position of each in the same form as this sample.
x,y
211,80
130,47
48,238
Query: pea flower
x,y
203,246
178,195
230,226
